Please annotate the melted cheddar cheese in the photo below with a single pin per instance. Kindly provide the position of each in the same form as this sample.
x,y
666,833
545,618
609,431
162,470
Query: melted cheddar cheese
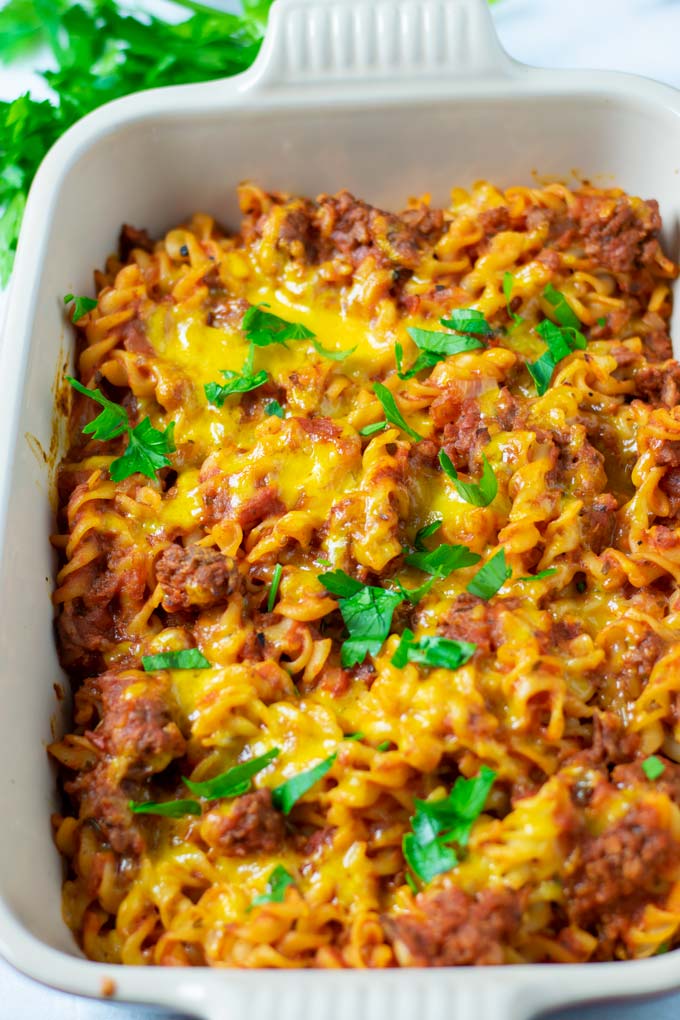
x,y
574,682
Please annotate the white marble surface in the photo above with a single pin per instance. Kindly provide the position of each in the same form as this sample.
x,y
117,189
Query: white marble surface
x,y
641,36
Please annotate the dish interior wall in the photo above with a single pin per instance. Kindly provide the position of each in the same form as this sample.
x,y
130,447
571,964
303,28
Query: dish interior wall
x,y
153,173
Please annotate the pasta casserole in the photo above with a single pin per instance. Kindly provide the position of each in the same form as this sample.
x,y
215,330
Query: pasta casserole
x,y
369,587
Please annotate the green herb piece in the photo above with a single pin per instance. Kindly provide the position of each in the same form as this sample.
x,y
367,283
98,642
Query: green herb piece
x,y
437,824
561,308
663,948
561,340
272,407
414,595
602,322
392,412
101,52
237,382
185,658
411,883
354,736
332,355
490,577
540,575
434,342
276,581
289,793
277,883
147,447
426,532
370,430
581,585
368,618
147,451
426,359
432,651
541,371
443,560
323,563
263,328
341,584
168,808
235,781
467,320
81,306
113,420
508,284
653,767
385,746
478,494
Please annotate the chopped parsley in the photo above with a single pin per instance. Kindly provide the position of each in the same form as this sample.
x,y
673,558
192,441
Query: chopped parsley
x,y
653,767
540,575
237,382
341,584
81,305
561,341
437,824
168,808
385,746
263,328
147,447
272,407
367,613
354,736
434,345
602,321
467,320
508,284
235,781
490,577
370,430
392,412
426,532
432,651
289,793
443,560
562,310
277,883
332,355
273,591
185,658
478,494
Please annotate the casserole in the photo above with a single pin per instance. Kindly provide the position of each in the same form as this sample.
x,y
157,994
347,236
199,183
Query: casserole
x,y
342,94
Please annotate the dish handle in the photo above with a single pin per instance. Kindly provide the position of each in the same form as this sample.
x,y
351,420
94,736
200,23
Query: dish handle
x,y
402,42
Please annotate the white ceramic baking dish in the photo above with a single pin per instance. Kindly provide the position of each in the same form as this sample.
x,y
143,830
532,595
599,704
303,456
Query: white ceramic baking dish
x,y
389,99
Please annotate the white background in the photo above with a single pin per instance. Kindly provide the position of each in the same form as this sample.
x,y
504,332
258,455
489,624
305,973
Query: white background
x,y
642,36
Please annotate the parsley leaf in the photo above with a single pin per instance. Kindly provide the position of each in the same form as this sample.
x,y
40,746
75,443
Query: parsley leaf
x,y
414,595
81,306
541,371
341,584
371,430
478,494
425,532
100,53
426,359
384,746
332,355
561,341
277,883
235,781
561,307
185,658
217,393
438,823
602,321
446,343
147,447
273,591
491,577
392,412
540,575
508,284
368,618
146,451
467,320
168,808
263,328
443,560
653,767
432,651
354,736
289,793
274,408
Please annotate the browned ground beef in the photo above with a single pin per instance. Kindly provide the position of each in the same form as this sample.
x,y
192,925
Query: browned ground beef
x,y
195,577
252,826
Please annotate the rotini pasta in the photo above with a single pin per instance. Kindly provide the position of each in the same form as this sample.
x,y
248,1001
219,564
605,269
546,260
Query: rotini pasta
x,y
368,585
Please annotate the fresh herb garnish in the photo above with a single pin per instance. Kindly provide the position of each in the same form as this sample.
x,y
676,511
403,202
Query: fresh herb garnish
x,y
434,346
341,584
354,736
100,53
432,651
653,767
426,532
385,746
289,793
414,595
392,412
561,308
370,430
541,371
602,321
277,883
438,823
272,407
237,382
273,591
443,560
508,284
168,808
367,613
490,577
263,328
332,355
467,320
235,781
426,359
561,341
147,447
185,658
81,305
540,575
477,493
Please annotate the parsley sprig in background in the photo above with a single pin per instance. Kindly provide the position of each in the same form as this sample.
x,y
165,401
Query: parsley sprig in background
x,y
102,52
